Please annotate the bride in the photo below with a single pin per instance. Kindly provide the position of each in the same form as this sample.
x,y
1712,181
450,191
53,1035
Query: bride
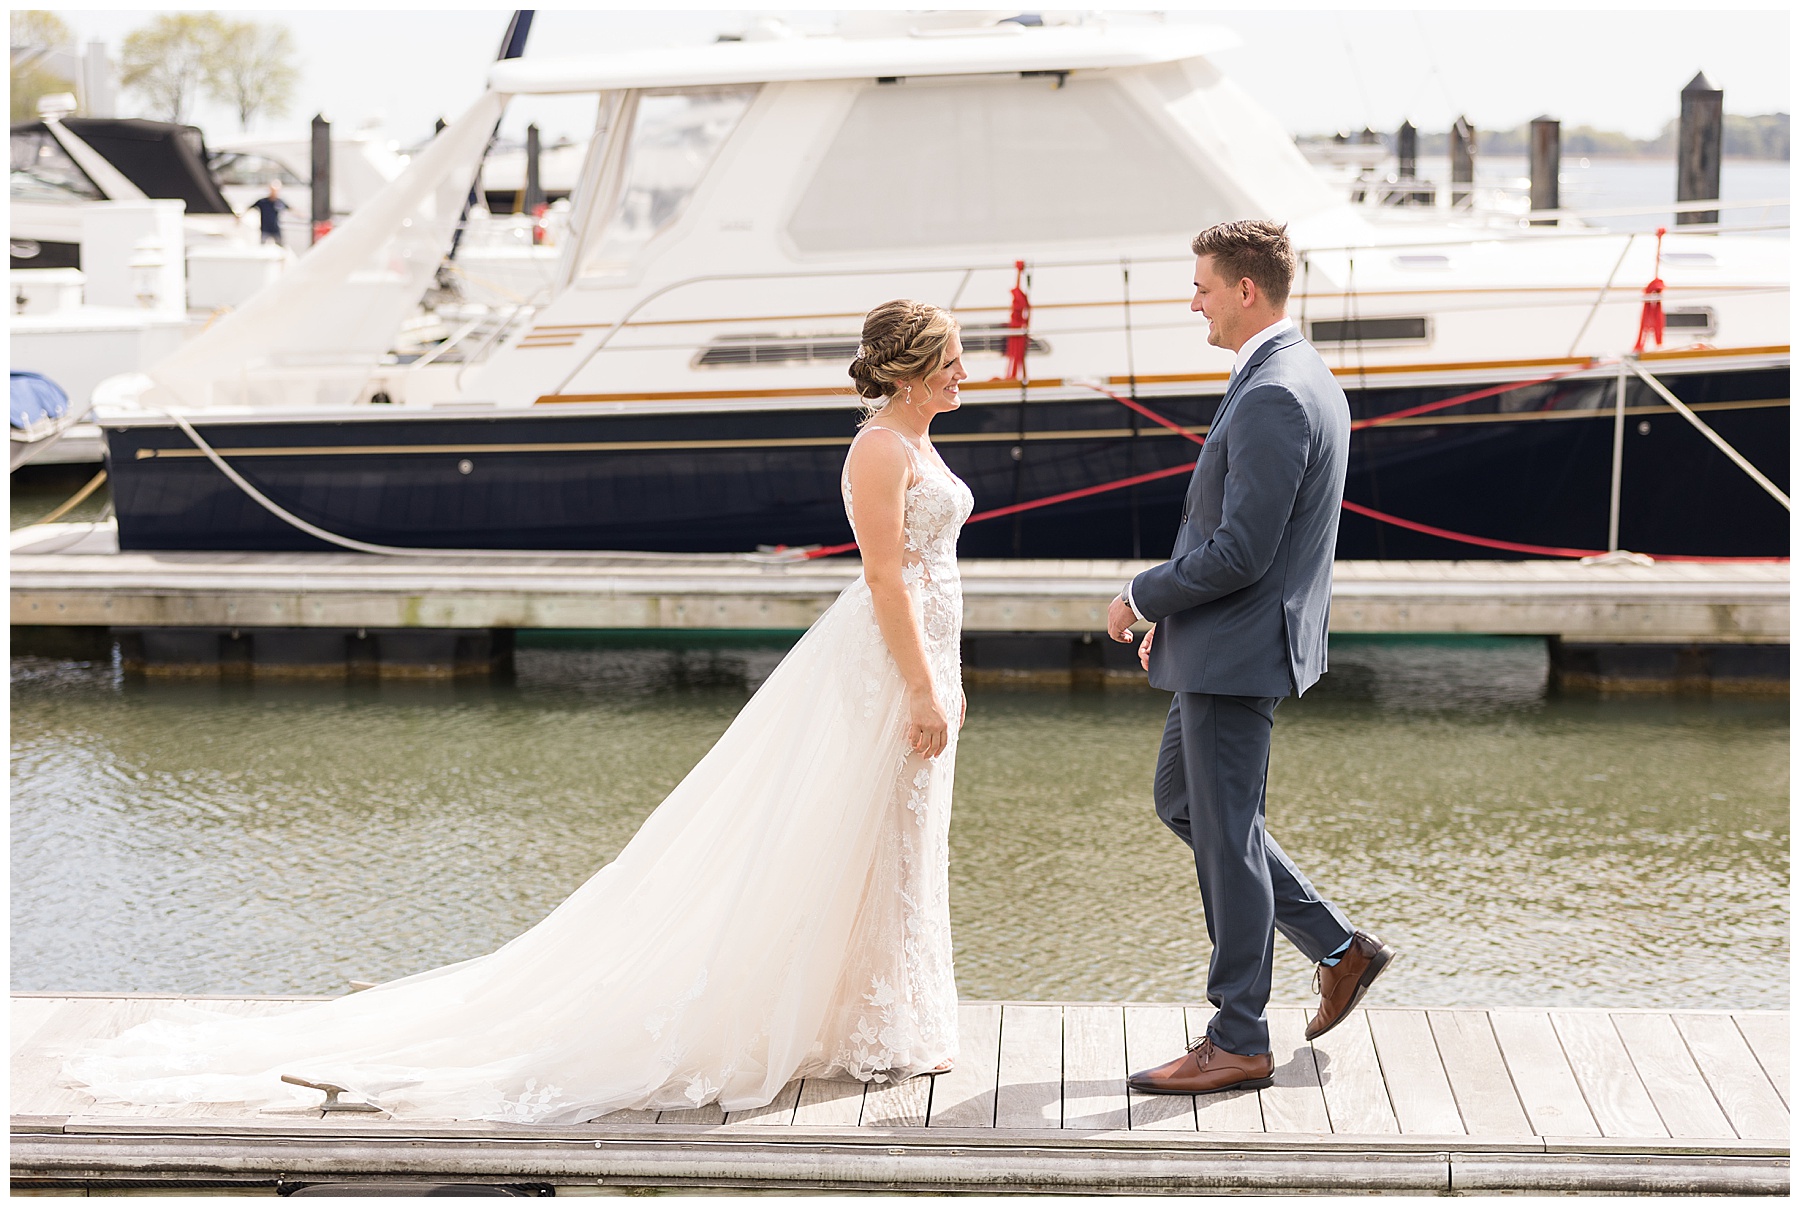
x,y
783,913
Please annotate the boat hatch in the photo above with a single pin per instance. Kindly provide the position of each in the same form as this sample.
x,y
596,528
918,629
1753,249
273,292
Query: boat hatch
x,y
998,161
1691,259
735,350
1421,261
1412,329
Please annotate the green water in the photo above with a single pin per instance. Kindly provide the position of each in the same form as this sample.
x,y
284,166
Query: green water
x,y
1521,848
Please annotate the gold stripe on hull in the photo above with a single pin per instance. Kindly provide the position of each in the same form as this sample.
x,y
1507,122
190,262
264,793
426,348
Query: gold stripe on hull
x,y
617,446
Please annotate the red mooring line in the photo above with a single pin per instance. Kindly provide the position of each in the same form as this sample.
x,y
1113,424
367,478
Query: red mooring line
x,y
1355,508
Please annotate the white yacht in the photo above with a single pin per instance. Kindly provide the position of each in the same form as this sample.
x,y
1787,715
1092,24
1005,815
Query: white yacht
x,y
680,385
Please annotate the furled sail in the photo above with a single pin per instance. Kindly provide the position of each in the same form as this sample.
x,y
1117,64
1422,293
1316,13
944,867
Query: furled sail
x,y
312,337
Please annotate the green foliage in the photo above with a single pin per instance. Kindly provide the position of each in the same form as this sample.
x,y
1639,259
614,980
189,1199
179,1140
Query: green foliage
x,y
35,34
253,69
167,62
1764,136
243,64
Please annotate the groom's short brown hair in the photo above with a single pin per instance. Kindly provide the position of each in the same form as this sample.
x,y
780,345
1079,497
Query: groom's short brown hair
x,y
1254,248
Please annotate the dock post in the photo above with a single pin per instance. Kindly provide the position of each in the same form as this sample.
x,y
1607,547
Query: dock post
x,y
534,188
1408,150
1546,163
321,177
1697,149
1462,163
1618,463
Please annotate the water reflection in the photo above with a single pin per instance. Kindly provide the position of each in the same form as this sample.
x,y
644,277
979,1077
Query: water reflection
x,y
1523,848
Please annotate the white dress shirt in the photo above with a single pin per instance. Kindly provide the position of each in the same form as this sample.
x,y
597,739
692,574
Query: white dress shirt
x,y
1237,366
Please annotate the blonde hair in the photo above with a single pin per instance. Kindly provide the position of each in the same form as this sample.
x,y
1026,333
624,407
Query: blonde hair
x,y
901,341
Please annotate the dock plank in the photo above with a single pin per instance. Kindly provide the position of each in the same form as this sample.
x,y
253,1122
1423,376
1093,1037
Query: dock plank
x,y
1355,1092
1478,1075
1738,1083
1296,1102
1540,1069
965,1096
1681,1095
1154,1034
1031,1057
76,1021
1417,1085
897,1103
1767,1035
1228,1110
1610,1084
29,1014
829,1103
710,1115
1094,1069
779,1112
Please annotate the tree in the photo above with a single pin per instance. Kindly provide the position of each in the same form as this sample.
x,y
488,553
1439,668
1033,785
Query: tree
x,y
168,61
252,69
35,37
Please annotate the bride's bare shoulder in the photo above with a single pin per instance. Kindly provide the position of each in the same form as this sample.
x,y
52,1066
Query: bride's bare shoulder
x,y
877,459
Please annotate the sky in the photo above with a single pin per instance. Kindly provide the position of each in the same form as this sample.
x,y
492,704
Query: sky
x,y
1317,70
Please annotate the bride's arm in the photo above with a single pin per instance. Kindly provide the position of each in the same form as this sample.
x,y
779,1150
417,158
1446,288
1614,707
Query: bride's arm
x,y
878,481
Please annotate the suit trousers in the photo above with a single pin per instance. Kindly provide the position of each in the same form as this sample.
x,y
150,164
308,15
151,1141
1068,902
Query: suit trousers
x,y
1211,776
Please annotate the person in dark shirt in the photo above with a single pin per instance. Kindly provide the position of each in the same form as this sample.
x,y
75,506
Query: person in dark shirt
x,y
270,208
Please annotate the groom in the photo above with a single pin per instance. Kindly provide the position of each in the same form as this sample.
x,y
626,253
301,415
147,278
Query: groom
x,y
1238,618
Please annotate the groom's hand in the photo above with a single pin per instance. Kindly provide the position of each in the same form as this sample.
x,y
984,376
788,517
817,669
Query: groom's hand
x,y
1119,619
1144,649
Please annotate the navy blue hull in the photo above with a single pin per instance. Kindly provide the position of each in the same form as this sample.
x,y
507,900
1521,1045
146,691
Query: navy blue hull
x,y
1532,466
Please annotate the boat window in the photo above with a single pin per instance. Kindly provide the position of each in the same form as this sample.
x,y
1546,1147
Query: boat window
x,y
43,171
248,169
998,161
736,350
1691,259
1421,261
1699,320
1369,331
675,138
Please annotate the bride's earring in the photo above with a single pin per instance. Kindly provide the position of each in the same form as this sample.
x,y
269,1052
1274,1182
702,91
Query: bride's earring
x,y
908,399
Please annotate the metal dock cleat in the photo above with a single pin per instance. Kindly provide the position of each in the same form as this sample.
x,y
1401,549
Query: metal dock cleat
x,y
332,1101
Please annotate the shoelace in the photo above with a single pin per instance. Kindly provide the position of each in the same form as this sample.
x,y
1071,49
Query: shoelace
x,y
1196,1045
1318,979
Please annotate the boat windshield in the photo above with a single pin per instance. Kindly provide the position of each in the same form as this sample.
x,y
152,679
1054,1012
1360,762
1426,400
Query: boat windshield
x,y
43,171
675,138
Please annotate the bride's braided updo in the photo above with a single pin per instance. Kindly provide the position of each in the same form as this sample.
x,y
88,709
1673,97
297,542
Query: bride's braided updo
x,y
901,341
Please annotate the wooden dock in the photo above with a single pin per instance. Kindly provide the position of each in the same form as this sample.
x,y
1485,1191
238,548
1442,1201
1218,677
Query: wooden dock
x,y
1394,1100
73,575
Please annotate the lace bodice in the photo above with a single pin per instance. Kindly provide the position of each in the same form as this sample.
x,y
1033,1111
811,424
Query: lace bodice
x,y
937,504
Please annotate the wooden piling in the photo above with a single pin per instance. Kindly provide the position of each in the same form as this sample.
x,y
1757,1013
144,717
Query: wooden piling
x,y
321,176
534,188
1408,140
1462,162
1697,149
1546,163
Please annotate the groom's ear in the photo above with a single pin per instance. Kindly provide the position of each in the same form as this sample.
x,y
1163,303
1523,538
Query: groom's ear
x,y
1247,291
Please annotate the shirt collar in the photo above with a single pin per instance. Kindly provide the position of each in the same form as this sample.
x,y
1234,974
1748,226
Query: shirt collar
x,y
1258,340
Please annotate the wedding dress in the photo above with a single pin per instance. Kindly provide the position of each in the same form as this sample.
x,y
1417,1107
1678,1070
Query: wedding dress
x,y
783,913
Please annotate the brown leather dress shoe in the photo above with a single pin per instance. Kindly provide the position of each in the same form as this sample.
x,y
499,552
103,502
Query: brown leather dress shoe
x,y
1206,1070
1343,984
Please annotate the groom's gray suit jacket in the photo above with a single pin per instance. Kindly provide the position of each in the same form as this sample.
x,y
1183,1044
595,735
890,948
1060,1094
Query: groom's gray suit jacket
x,y
1241,605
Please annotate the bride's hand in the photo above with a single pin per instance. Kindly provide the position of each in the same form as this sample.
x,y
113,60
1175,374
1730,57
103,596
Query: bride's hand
x,y
927,728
